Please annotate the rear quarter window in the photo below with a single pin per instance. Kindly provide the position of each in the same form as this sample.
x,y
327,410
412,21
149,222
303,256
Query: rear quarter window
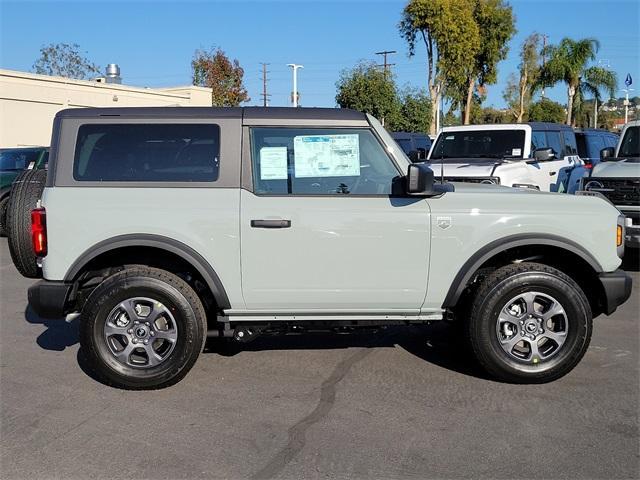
x,y
147,153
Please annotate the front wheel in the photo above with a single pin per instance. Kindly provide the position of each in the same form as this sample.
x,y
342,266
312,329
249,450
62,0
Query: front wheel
x,y
142,328
529,323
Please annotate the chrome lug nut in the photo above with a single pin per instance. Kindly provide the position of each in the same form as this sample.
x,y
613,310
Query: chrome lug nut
x,y
151,333
130,330
146,341
146,323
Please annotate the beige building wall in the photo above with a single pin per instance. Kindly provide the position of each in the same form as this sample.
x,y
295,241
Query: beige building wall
x,y
28,102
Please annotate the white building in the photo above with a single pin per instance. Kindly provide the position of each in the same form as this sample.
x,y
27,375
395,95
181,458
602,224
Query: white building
x,y
28,102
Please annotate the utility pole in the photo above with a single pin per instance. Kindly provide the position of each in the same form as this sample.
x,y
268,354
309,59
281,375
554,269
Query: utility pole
x,y
544,57
265,95
386,65
294,94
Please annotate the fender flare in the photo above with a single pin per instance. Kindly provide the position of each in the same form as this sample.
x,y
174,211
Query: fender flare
x,y
184,251
467,270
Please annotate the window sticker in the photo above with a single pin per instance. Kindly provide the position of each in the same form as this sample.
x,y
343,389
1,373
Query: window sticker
x,y
516,152
326,155
273,163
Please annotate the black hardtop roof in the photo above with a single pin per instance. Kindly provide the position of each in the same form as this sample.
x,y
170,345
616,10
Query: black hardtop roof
x,y
407,134
300,113
594,130
549,126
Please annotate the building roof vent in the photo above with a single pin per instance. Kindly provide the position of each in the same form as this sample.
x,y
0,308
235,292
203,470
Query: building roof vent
x,y
112,73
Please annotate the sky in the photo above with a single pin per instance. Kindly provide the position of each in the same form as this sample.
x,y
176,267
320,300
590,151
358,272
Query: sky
x,y
154,41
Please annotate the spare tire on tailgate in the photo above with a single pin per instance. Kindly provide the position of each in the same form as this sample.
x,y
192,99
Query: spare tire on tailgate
x,y
25,193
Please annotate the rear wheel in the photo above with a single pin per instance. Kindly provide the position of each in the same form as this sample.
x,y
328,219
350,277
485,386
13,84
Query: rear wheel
x,y
3,216
142,328
529,323
25,193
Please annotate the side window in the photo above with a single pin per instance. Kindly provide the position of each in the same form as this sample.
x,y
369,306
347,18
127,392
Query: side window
x,y
538,140
147,153
570,147
594,145
554,142
312,161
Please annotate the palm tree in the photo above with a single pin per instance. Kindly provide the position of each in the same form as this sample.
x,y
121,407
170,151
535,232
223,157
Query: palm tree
x,y
568,63
591,83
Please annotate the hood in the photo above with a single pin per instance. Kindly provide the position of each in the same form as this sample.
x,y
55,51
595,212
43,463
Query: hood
x,y
466,187
476,169
621,168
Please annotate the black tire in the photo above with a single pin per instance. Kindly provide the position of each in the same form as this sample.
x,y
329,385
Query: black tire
x,y
25,193
160,286
496,292
3,216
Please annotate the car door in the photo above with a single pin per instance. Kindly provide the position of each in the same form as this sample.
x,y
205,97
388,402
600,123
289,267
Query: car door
x,y
551,175
321,230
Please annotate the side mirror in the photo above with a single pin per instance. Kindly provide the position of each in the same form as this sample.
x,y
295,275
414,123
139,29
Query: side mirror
x,y
607,153
419,179
543,154
414,156
422,153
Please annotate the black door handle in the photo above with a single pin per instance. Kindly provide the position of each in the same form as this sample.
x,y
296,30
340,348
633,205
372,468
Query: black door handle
x,y
271,223
552,173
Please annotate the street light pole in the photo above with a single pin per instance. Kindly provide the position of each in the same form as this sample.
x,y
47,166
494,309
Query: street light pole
x,y
294,70
626,103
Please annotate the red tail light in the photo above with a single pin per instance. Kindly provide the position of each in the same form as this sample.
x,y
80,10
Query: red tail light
x,y
588,165
39,231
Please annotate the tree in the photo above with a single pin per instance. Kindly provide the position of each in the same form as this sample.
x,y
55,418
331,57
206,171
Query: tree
x,y
568,63
451,38
518,93
546,110
368,89
214,70
64,60
495,24
593,80
415,112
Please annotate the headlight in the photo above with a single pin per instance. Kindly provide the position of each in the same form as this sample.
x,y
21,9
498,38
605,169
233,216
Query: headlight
x,y
593,185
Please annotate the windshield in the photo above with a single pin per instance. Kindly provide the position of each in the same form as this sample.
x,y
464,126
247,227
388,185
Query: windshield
x,y
479,144
630,146
17,159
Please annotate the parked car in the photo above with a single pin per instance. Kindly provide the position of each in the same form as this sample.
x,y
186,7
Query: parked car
x,y
617,177
159,227
534,155
14,161
415,145
591,140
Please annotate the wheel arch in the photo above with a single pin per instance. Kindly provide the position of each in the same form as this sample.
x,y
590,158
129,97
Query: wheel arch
x,y
134,242
513,248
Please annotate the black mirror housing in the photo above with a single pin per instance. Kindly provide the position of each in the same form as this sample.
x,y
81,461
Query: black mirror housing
x,y
419,179
607,153
544,154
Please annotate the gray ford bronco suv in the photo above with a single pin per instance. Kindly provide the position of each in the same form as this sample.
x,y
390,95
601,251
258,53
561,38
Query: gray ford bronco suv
x,y
160,227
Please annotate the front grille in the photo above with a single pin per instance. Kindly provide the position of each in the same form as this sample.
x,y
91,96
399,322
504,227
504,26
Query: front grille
x,y
487,180
621,191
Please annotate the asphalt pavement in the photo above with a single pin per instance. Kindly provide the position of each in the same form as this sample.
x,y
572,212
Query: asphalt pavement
x,y
405,403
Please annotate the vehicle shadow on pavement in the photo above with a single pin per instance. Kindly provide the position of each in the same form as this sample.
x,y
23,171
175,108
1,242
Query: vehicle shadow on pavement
x,y
439,344
58,335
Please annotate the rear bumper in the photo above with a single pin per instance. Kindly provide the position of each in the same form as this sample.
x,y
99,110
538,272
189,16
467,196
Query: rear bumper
x,y
48,299
617,289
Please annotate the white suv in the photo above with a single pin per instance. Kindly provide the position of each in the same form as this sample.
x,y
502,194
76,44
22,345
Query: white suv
x,y
160,227
534,155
